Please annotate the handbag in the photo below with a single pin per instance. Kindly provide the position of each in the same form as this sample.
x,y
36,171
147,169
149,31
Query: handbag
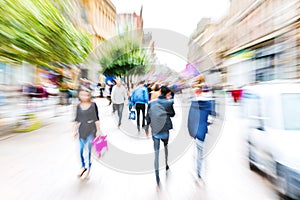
x,y
132,115
99,143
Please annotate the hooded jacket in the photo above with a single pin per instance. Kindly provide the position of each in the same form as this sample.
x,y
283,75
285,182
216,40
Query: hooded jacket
x,y
140,95
159,115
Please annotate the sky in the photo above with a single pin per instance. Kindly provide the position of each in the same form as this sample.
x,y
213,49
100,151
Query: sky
x,y
180,16
176,15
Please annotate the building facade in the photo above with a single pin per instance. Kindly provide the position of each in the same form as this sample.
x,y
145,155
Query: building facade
x,y
257,41
98,17
127,22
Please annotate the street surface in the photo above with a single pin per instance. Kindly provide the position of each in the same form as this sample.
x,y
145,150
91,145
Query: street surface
x,y
44,164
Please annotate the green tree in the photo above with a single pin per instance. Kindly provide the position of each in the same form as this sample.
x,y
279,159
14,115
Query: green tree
x,y
123,56
35,31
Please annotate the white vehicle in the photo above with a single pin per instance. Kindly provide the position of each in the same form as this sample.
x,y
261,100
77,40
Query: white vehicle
x,y
273,113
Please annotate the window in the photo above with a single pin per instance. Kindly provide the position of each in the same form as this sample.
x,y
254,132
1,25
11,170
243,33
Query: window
x,y
291,111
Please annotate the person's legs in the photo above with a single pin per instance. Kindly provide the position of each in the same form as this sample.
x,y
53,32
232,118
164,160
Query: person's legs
x,y
89,143
114,107
165,141
82,144
143,108
156,158
138,110
109,99
120,112
199,145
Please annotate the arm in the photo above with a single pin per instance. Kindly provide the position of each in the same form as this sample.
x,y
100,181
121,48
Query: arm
x,y
75,124
75,129
125,94
133,97
148,120
171,110
97,121
113,94
146,96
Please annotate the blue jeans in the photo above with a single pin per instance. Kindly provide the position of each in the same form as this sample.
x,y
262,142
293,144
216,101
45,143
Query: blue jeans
x,y
199,145
156,153
83,142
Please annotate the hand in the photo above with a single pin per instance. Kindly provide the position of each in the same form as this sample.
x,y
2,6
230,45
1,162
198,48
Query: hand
x,y
98,133
75,135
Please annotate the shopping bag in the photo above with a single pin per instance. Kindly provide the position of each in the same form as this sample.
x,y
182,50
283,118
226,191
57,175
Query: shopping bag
x,y
132,115
99,143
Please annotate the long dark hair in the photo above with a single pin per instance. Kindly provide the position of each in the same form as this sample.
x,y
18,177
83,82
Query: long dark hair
x,y
164,90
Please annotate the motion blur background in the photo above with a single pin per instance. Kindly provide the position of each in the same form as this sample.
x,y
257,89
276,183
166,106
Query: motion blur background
x,y
50,48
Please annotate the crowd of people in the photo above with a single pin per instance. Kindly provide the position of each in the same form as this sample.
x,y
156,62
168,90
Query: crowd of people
x,y
153,104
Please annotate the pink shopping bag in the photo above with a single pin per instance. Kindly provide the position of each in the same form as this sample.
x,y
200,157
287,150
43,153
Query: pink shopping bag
x,y
99,143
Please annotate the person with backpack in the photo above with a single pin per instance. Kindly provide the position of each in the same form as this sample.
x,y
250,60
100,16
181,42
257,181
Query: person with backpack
x,y
158,117
139,99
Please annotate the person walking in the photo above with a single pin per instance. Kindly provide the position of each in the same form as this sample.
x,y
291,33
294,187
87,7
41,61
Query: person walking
x,y
87,125
155,92
111,85
140,99
201,107
118,97
158,117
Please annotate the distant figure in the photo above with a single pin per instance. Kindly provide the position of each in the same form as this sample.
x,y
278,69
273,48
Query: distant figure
x,y
118,97
87,125
110,87
140,99
158,117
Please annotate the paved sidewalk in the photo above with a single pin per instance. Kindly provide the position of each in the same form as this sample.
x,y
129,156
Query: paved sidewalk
x,y
44,116
43,164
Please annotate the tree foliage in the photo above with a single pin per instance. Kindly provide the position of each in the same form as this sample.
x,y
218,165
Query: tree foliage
x,y
36,32
123,55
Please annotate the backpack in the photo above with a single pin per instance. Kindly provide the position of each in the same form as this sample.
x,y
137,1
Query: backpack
x,y
158,116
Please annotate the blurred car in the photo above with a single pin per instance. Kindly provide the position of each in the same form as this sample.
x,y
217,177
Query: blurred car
x,y
273,112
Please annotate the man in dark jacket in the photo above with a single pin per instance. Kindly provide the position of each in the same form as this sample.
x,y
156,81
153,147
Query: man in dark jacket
x,y
159,116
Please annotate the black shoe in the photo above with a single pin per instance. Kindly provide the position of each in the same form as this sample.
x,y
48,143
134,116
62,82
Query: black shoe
x,y
199,176
139,129
82,172
167,167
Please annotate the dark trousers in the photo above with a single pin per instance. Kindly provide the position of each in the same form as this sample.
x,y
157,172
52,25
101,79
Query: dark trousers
x,y
140,107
